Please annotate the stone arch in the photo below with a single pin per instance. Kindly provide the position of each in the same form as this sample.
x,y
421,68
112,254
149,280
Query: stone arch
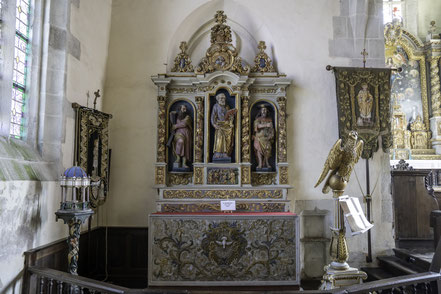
x,y
247,26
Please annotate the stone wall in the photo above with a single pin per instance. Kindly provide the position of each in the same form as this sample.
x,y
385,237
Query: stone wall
x,y
74,42
303,37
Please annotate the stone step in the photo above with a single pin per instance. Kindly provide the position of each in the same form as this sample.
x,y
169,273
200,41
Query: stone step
x,y
376,273
397,266
411,258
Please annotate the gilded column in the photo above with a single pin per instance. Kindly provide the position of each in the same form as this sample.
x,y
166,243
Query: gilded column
x,y
160,155
245,129
282,129
160,148
199,140
283,164
245,122
435,86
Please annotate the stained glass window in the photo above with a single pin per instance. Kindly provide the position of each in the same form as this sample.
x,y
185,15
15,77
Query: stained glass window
x,y
21,51
392,9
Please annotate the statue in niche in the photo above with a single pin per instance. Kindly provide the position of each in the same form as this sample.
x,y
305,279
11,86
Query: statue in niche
x,y
181,138
365,102
263,138
419,135
222,119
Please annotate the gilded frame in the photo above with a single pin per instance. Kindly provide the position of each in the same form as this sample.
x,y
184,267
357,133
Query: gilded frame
x,y
90,122
414,50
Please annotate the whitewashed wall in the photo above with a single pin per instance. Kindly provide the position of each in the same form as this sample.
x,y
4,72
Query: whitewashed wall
x,y
27,207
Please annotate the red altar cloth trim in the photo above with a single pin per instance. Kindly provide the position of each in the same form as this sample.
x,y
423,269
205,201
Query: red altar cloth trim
x,y
226,213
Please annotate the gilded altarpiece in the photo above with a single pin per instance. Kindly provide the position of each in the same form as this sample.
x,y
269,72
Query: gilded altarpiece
x,y
222,136
415,94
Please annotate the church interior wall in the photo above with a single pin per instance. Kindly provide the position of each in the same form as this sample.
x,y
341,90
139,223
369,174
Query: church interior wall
x,y
28,201
427,12
304,38
118,45
418,23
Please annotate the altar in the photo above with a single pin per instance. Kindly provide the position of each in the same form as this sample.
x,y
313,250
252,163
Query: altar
x,y
219,249
222,137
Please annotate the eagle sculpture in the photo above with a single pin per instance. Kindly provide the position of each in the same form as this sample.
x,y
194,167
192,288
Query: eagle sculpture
x,y
340,162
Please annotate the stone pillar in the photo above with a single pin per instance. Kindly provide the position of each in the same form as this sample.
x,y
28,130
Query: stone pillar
x,y
245,142
161,141
199,143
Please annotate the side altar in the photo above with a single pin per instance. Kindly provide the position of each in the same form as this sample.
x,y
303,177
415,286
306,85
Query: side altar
x,y
222,135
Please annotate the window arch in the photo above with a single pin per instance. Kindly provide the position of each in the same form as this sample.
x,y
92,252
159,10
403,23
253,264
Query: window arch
x,y
393,9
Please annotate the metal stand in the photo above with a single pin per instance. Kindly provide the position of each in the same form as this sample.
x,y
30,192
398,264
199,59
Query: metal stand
x,y
368,199
338,273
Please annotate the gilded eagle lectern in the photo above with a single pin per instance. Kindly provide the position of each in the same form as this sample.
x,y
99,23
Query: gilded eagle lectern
x,y
340,162
339,166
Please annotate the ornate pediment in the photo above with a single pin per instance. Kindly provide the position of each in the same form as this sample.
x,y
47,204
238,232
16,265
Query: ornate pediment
x,y
221,55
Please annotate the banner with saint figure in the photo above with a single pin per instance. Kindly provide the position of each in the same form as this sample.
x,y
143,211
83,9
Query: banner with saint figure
x,y
363,102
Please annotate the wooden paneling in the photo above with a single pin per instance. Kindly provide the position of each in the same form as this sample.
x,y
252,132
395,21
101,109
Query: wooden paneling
x,y
126,255
412,205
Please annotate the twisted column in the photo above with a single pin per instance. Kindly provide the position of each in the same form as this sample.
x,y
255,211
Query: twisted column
x,y
435,86
282,129
199,140
73,243
245,129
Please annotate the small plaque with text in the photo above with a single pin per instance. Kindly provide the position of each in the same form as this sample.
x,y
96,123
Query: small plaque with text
x,y
228,205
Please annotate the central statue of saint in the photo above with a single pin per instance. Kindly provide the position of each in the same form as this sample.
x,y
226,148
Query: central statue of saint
x,y
222,119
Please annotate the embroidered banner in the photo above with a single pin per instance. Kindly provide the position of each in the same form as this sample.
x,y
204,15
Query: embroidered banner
x,y
363,102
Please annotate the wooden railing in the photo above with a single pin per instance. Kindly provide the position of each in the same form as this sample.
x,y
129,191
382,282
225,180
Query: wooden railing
x,y
428,282
44,280
40,279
